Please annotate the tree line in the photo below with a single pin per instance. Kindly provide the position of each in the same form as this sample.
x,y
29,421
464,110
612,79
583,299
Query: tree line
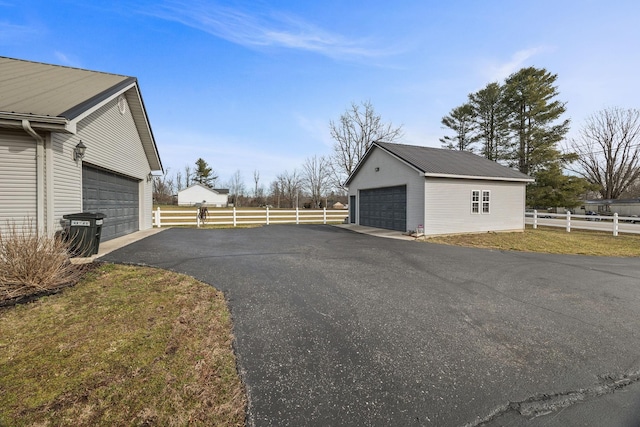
x,y
308,187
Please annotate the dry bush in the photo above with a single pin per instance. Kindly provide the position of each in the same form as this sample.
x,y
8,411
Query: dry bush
x,y
32,263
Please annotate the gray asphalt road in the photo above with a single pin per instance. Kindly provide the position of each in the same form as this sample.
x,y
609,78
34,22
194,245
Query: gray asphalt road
x,y
336,328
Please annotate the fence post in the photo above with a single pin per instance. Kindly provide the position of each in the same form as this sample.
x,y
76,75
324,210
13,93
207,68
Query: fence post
x,y
615,224
234,216
198,218
267,215
324,215
568,221
535,219
158,217
297,216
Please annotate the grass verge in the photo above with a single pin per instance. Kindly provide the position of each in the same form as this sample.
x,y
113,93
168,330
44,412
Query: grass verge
x,y
125,346
550,240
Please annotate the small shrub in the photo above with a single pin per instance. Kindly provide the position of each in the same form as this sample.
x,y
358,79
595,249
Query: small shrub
x,y
31,263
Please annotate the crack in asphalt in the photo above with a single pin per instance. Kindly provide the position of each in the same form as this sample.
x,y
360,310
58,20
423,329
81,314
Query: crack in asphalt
x,y
544,404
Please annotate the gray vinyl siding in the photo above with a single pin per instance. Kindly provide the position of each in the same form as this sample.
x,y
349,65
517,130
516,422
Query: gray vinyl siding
x,y
67,183
18,198
392,172
113,143
448,206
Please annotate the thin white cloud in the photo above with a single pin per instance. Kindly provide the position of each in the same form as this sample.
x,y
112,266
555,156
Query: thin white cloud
x,y
500,71
11,33
67,60
262,30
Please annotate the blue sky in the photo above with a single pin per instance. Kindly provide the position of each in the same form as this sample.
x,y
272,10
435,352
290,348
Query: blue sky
x,y
253,84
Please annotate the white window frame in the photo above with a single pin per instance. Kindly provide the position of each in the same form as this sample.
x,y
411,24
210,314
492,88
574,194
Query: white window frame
x,y
475,201
486,203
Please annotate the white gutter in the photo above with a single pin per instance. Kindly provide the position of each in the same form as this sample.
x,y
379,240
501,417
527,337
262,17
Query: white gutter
x,y
40,199
42,123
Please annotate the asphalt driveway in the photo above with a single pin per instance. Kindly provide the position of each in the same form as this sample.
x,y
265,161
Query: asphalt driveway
x,y
336,328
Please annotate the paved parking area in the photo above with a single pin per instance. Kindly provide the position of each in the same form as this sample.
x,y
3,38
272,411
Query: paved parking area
x,y
338,328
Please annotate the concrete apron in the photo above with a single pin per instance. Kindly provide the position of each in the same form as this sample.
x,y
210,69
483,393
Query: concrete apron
x,y
117,243
379,232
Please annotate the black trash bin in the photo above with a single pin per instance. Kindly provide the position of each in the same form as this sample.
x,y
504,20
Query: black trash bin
x,y
83,231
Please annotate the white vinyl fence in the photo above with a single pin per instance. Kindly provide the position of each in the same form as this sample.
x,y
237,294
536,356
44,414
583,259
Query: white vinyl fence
x,y
613,223
238,217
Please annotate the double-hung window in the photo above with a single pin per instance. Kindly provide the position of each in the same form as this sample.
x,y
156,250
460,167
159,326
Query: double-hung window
x,y
475,201
486,200
480,201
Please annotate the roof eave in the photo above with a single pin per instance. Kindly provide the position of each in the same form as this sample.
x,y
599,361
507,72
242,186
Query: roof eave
x,y
484,178
41,123
144,128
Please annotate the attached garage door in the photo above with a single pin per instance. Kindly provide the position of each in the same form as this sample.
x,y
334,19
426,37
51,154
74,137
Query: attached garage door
x,y
384,208
114,195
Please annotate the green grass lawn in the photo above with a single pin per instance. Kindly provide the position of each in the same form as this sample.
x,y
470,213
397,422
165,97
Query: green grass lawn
x,y
550,240
125,346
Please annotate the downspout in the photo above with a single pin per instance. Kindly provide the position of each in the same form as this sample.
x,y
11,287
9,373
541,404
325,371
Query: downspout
x,y
40,200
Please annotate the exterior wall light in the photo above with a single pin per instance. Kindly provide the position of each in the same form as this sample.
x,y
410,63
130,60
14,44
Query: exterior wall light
x,y
78,151
149,177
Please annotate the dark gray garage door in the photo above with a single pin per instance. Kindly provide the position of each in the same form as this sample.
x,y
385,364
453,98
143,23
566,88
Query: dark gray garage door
x,y
384,208
114,195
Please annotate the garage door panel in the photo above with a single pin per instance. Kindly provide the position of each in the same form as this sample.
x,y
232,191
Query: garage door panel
x,y
114,195
384,207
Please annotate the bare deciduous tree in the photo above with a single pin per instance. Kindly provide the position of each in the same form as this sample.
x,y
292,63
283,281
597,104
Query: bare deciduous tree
x,y
354,133
276,193
187,176
608,150
256,180
289,185
179,181
163,188
236,187
316,177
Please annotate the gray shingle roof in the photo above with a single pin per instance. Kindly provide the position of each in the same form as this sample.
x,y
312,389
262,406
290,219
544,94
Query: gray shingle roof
x,y
51,90
442,162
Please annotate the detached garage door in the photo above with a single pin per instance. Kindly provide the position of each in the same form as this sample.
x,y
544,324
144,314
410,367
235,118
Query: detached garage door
x,y
114,195
384,208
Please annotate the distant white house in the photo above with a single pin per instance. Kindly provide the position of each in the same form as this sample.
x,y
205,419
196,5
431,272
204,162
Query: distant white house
x,y
200,193
404,187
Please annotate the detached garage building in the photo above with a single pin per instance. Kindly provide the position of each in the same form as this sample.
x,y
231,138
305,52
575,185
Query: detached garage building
x,y
402,187
48,113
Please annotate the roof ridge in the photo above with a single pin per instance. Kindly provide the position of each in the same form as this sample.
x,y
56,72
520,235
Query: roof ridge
x,y
64,66
434,161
